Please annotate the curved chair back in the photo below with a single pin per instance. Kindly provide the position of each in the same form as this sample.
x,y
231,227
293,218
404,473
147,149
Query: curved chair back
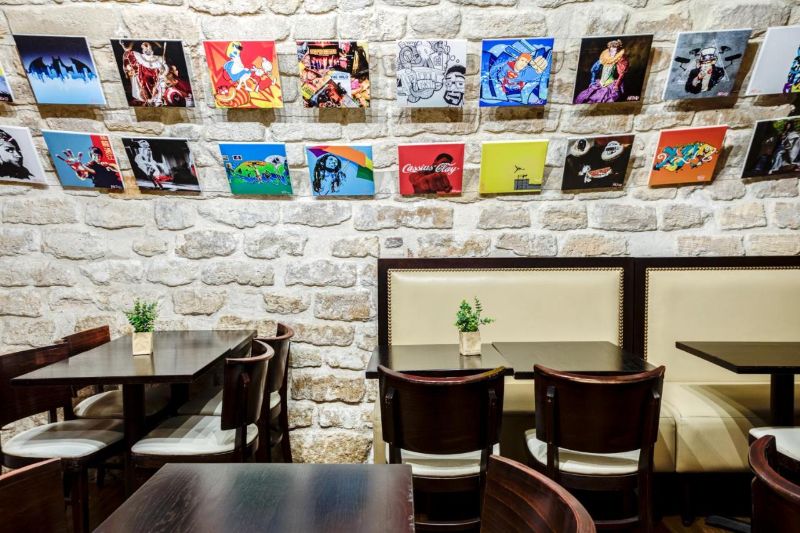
x,y
598,414
87,339
243,388
776,500
32,498
279,363
518,498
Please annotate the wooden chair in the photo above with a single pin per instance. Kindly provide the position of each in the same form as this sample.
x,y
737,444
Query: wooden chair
x,y
445,428
80,444
597,433
274,423
520,499
230,437
32,499
776,500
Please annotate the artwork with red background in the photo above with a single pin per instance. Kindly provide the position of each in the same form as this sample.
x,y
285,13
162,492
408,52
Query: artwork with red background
x,y
431,168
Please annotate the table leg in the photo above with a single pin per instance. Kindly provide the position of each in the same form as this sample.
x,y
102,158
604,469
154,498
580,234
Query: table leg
x,y
781,399
134,413
179,395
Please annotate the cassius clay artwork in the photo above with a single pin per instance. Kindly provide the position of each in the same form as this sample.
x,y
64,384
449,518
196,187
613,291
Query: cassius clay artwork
x,y
612,69
162,164
18,160
154,72
244,74
777,67
774,149
599,162
430,168
515,72
431,73
84,160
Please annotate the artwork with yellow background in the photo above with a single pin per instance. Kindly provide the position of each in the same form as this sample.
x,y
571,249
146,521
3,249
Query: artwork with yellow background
x,y
512,166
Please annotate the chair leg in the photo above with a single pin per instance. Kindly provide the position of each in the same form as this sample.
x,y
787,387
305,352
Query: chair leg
x,y
79,496
286,446
645,510
101,476
263,452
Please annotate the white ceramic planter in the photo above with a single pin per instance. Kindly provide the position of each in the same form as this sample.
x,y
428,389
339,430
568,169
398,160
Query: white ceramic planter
x,y
469,343
142,343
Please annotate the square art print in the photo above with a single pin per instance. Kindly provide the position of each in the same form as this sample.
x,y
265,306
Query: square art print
x,y
18,159
431,73
512,166
777,67
244,74
6,94
431,168
341,170
60,69
515,71
687,155
774,149
597,162
256,168
705,63
83,159
154,72
334,73
162,164
612,69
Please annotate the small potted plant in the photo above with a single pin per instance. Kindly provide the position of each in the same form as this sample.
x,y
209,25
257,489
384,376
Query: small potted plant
x,y
143,318
468,322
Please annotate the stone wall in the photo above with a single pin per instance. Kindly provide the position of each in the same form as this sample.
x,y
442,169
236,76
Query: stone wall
x,y
71,260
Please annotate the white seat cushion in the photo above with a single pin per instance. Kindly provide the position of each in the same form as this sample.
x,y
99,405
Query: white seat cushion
x,y
450,465
70,439
190,435
787,439
575,462
108,404
209,403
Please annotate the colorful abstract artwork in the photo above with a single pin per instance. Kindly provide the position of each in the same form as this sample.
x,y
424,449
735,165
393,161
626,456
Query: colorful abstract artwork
x,y
612,69
774,149
435,168
597,162
18,159
256,168
6,94
60,69
334,73
244,74
687,155
515,72
512,166
341,170
83,159
154,72
705,64
162,164
777,67
431,73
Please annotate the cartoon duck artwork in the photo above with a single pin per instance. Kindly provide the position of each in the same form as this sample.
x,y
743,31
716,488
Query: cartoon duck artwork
x,y
244,74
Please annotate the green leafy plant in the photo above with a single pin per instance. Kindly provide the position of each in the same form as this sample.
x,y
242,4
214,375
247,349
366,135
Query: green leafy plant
x,y
143,316
469,319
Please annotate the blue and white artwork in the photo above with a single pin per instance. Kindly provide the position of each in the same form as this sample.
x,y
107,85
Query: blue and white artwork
x,y
515,72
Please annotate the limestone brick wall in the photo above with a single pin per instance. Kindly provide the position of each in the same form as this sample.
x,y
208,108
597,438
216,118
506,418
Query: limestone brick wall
x,y
71,260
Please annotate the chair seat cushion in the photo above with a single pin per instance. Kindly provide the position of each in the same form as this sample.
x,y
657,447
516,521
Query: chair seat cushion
x,y
787,439
108,404
209,403
450,465
67,440
190,435
576,462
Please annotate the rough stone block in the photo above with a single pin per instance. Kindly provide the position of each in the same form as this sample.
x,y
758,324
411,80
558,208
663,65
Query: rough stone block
x,y
500,217
39,211
272,244
528,244
324,334
205,243
443,245
286,304
564,217
592,245
321,273
316,214
352,305
742,216
197,301
707,245
73,244
622,217
241,272
356,247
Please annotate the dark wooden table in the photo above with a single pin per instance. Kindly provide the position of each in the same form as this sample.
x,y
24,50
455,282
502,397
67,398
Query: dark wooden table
x,y
290,498
781,360
592,357
434,358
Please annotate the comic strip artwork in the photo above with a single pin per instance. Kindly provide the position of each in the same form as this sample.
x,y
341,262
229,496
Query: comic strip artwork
x,y
597,162
334,73
512,166
244,74
162,164
777,67
431,73
83,159
341,170
431,168
154,72
515,71
774,149
18,159
60,69
6,94
256,168
687,155
612,69
705,64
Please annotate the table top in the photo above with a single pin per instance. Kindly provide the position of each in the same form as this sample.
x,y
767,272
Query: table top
x,y
432,358
748,357
591,357
281,498
178,357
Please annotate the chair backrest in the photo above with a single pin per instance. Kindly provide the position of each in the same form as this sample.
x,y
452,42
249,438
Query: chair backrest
x,y
518,498
279,363
17,402
32,498
598,414
776,500
87,339
243,387
417,412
